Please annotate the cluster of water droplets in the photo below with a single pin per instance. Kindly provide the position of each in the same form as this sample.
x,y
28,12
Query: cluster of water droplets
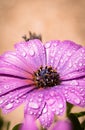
x,y
10,102
44,104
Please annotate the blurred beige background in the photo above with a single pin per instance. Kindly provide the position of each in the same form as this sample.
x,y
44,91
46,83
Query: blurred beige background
x,y
54,19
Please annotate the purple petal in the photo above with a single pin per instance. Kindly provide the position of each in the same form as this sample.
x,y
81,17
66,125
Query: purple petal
x,y
8,84
76,64
63,125
74,92
12,100
54,104
46,117
29,123
11,64
58,52
71,48
43,104
35,103
33,52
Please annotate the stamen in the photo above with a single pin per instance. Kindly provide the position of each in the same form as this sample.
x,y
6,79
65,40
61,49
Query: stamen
x,y
46,77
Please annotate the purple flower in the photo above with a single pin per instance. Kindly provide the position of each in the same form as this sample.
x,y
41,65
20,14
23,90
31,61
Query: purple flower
x,y
45,77
29,123
63,125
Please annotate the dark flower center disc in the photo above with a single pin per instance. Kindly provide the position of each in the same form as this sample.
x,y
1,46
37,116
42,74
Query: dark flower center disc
x,y
46,77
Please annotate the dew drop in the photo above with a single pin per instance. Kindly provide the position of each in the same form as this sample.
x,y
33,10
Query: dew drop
x,y
9,106
33,105
43,119
6,86
69,54
31,112
60,105
17,101
77,100
52,93
40,95
16,97
74,82
40,99
51,101
51,61
70,65
44,110
24,54
57,112
53,109
31,52
81,89
47,45
1,101
55,44
11,100
31,99
61,110
80,64
52,54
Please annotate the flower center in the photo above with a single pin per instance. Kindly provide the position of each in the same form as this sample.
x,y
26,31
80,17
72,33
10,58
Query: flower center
x,y
46,77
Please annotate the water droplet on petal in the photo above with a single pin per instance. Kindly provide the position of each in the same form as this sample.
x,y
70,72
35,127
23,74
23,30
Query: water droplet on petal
x,y
74,82
55,44
61,110
6,86
51,61
33,105
31,112
40,99
9,106
45,110
80,64
11,100
60,105
70,65
77,100
17,101
16,97
24,54
41,95
57,112
69,54
47,45
31,52
52,93
50,101
1,101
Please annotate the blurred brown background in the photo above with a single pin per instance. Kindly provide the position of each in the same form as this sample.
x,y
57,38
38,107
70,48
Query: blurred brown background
x,y
54,19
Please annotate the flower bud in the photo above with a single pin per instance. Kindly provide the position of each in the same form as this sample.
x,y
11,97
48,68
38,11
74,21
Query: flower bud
x,y
29,123
63,125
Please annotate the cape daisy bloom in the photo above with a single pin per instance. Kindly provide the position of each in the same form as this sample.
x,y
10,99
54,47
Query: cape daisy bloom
x,y
45,77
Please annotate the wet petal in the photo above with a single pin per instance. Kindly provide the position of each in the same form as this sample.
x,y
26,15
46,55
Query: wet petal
x,y
63,125
54,104
12,100
11,64
71,48
35,103
44,104
8,84
29,123
74,92
59,52
46,117
76,64
34,53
